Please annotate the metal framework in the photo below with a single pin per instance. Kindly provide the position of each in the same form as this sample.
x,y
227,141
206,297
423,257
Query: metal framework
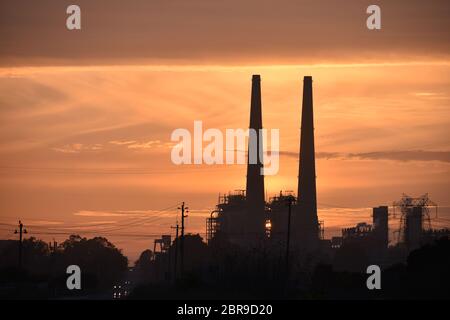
x,y
164,244
406,203
321,229
212,225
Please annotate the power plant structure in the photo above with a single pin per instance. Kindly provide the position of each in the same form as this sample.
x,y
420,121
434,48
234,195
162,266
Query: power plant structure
x,y
415,221
255,216
287,225
245,218
240,217
306,222
371,238
380,218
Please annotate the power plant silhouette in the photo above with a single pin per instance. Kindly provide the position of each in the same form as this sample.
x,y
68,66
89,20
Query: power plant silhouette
x,y
306,213
255,203
263,247
244,217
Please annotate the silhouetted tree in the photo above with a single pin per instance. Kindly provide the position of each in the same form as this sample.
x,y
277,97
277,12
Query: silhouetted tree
x,y
195,252
428,270
98,259
144,266
35,256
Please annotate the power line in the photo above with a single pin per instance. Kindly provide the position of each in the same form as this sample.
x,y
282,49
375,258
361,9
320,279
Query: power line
x,y
131,235
105,231
135,223
128,224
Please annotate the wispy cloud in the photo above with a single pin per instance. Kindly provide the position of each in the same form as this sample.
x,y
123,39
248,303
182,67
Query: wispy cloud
x,y
119,213
78,147
411,155
122,143
431,95
128,144
44,222
145,145
88,213
415,155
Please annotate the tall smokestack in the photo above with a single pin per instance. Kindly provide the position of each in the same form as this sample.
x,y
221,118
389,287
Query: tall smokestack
x,y
307,221
255,179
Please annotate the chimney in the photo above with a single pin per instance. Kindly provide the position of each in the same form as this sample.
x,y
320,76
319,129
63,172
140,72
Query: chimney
x,y
307,221
255,179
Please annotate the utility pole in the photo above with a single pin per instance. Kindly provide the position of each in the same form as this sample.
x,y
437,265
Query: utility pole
x,y
183,210
176,251
53,248
20,232
289,200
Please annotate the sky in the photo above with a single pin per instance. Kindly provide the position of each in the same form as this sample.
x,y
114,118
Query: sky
x,y
86,116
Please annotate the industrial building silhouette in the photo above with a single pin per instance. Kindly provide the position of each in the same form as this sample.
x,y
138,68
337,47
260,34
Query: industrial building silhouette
x,y
246,219
275,244
254,223
306,222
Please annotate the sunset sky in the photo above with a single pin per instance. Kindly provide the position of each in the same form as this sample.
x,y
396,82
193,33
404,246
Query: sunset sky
x,y
86,116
